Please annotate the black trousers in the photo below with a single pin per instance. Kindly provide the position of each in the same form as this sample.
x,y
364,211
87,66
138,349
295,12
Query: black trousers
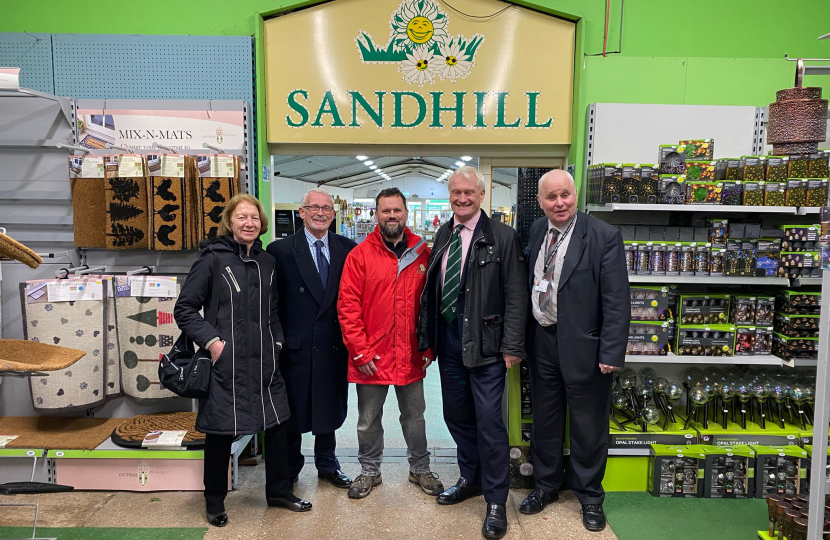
x,y
588,406
278,482
472,411
324,459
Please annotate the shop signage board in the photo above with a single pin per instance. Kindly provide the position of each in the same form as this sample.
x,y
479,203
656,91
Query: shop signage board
x,y
182,130
418,72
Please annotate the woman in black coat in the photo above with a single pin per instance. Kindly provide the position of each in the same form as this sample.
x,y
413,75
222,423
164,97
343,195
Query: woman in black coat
x,y
247,391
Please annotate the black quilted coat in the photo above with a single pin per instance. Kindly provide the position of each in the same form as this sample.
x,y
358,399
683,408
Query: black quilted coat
x,y
247,392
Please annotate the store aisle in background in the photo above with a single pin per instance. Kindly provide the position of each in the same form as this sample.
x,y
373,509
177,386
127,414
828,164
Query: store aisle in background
x,y
438,436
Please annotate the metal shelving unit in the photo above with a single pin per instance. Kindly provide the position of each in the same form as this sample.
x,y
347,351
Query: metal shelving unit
x,y
672,358
708,208
706,280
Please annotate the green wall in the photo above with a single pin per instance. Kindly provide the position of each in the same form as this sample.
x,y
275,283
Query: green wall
x,y
726,52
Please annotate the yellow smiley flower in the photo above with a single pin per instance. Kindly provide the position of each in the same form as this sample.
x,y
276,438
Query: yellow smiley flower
x,y
418,22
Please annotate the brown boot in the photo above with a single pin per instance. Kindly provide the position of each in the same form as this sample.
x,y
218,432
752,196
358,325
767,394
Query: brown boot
x,y
428,481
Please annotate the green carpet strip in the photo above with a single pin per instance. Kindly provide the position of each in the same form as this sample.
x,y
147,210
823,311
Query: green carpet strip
x,y
639,516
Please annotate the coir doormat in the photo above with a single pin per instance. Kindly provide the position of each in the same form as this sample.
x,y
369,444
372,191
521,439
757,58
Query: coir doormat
x,y
57,433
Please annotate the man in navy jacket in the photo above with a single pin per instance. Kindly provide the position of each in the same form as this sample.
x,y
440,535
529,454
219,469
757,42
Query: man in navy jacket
x,y
314,360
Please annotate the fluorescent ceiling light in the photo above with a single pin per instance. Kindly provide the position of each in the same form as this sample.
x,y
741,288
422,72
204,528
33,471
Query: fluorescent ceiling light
x,y
459,163
367,163
379,170
373,167
361,158
466,158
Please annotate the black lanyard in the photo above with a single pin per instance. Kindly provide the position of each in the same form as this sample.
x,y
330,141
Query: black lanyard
x,y
558,244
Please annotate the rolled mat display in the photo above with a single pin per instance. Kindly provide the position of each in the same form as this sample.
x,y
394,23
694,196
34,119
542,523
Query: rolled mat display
x,y
58,433
169,200
25,356
77,324
13,249
126,222
146,329
132,431
89,212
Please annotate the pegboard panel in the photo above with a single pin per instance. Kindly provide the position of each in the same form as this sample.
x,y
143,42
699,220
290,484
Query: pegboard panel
x,y
152,67
527,208
32,53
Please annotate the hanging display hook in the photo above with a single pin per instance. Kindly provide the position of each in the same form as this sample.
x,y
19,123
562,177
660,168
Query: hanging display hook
x,y
142,270
116,147
90,270
73,147
63,273
163,147
213,147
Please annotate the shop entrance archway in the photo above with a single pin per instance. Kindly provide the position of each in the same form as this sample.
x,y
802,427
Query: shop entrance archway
x,y
477,87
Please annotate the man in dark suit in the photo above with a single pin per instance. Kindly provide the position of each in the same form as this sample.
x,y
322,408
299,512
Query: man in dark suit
x,y
314,359
579,290
474,313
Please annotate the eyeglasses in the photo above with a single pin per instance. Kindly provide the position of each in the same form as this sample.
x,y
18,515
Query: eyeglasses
x,y
315,209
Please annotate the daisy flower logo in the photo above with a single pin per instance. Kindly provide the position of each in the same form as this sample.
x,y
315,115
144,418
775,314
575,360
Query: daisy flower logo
x,y
419,67
451,63
418,22
420,44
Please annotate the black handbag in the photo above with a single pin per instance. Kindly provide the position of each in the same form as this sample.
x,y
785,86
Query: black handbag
x,y
184,370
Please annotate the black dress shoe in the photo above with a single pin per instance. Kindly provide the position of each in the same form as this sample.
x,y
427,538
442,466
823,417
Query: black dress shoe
x,y
218,520
290,501
495,522
459,492
338,479
593,517
537,501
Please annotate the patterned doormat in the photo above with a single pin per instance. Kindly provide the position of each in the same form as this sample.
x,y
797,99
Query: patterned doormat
x,y
146,329
79,325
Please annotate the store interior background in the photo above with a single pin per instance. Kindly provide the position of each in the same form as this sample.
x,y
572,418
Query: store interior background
x,y
711,52
707,52
355,181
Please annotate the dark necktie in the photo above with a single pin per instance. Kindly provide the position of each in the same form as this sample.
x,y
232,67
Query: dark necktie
x,y
452,277
545,298
322,262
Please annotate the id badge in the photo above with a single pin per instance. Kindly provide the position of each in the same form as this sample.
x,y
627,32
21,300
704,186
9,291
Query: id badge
x,y
541,286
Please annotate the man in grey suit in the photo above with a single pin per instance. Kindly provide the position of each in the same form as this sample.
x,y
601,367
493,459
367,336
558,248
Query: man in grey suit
x,y
579,290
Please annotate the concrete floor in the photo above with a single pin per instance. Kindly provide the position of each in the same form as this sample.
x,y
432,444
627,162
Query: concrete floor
x,y
395,509
438,436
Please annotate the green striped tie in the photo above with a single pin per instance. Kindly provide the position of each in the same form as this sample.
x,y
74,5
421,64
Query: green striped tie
x,y
452,277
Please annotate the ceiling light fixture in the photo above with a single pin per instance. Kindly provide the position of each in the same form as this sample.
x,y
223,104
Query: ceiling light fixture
x,y
459,163
466,158
373,167
361,158
367,163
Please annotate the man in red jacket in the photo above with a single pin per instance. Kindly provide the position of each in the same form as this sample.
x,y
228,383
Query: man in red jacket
x,y
378,308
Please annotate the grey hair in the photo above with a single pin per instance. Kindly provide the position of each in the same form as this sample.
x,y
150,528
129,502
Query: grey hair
x,y
544,176
317,190
468,171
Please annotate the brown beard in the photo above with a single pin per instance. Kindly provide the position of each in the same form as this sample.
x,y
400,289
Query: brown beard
x,y
393,232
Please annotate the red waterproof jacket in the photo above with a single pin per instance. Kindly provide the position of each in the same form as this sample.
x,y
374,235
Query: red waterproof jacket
x,y
378,308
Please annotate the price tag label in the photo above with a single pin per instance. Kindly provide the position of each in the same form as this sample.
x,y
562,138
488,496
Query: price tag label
x,y
92,167
172,165
6,439
130,166
156,439
152,286
72,290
